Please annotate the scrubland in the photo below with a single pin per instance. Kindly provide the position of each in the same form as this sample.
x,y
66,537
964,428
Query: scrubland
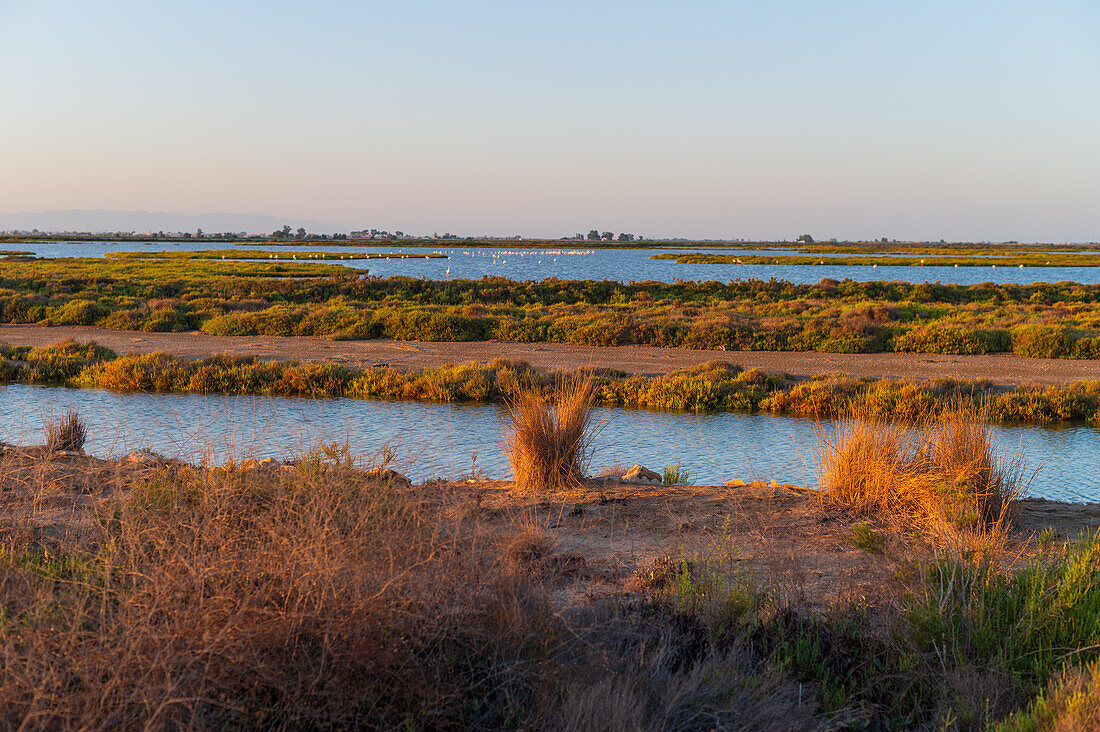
x,y
914,590
181,293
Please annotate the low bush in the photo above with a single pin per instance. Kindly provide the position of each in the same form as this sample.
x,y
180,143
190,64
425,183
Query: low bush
x,y
958,341
714,386
1028,623
230,598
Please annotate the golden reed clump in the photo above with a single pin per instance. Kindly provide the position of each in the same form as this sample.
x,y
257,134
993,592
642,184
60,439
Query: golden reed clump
x,y
550,440
929,474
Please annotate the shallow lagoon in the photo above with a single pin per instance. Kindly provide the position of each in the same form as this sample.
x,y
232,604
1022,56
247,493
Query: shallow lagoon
x,y
573,261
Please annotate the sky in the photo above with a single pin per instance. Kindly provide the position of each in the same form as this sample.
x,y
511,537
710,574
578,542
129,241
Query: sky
x,y
955,120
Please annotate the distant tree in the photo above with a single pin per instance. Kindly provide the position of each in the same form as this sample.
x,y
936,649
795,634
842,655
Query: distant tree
x,y
805,239
626,237
593,235
300,234
198,233
607,236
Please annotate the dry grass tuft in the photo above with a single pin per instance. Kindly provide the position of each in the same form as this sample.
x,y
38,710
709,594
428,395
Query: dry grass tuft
x,y
531,542
550,446
531,551
943,475
67,435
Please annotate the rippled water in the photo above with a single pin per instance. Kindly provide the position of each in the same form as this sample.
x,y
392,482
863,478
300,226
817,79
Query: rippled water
x,y
569,262
440,439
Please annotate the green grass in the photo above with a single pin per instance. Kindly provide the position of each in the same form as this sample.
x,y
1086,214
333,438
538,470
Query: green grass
x,y
1010,630
675,475
865,538
1028,622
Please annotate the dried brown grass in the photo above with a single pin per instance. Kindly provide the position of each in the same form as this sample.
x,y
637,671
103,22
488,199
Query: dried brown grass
x,y
316,597
313,597
942,475
530,542
550,440
67,435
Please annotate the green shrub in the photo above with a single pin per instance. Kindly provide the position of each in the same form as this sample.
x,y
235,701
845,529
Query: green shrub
x,y
63,361
76,312
675,475
865,538
1029,622
955,341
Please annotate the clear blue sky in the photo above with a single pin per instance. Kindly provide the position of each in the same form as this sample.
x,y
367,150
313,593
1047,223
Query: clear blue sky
x,y
956,120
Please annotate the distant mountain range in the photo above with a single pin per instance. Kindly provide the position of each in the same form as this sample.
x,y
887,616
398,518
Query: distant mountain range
x,y
102,220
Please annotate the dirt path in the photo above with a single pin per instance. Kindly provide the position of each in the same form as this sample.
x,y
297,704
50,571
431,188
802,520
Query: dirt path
x,y
1001,369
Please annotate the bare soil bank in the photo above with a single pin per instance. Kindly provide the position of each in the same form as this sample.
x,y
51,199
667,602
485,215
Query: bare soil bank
x,y
610,532
1000,369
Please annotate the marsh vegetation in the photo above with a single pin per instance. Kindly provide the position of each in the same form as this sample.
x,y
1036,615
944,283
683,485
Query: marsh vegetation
x,y
147,592
253,298
712,386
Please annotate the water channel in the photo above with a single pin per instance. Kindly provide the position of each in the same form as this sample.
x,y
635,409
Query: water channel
x,y
441,439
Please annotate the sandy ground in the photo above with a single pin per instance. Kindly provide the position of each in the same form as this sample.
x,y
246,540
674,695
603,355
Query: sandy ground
x,y
607,536
1001,369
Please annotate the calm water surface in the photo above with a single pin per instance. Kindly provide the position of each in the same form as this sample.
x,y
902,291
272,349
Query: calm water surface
x,y
572,261
441,439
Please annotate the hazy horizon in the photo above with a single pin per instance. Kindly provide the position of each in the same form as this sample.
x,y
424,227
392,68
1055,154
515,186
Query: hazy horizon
x,y
854,120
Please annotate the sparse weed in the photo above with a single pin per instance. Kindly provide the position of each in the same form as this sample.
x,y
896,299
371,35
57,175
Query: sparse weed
x,y
68,435
865,538
675,475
